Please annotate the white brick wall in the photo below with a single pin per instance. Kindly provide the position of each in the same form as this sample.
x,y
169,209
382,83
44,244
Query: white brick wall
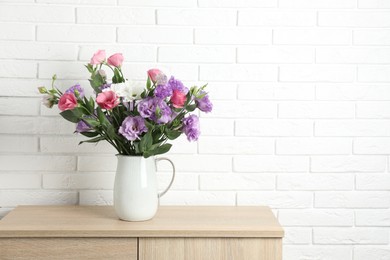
x,y
301,121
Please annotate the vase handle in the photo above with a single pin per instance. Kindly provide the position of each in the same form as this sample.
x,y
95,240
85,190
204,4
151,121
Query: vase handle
x,y
173,175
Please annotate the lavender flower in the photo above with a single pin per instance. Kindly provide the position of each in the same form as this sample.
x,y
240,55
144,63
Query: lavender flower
x,y
132,127
191,127
204,103
155,109
77,90
163,91
82,126
175,84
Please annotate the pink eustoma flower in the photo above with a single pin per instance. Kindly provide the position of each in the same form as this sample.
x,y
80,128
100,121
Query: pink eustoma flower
x,y
107,100
154,74
67,101
178,99
98,57
115,60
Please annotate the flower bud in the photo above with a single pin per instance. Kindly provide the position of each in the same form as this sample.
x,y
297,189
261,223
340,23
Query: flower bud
x,y
42,90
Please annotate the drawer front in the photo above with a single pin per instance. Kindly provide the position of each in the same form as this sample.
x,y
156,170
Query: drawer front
x,y
210,248
68,248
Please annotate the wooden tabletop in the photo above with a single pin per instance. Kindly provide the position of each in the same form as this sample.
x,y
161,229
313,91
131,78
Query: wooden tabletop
x,y
170,221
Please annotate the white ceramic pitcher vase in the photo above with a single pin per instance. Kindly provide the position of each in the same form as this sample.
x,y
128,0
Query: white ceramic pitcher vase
x,y
136,197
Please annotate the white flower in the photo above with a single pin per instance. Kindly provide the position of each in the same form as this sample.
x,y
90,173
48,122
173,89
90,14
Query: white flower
x,y
123,90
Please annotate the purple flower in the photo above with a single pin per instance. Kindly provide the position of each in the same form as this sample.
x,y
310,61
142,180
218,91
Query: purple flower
x,y
204,103
163,91
191,127
105,86
82,126
132,127
155,109
175,84
77,90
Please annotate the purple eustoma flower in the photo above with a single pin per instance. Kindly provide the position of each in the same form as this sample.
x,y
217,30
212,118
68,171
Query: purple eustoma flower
x,y
163,91
132,127
191,127
204,103
77,90
175,84
82,126
155,109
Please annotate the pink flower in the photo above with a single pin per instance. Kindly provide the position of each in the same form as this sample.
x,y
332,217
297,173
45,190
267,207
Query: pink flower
x,y
115,60
67,101
178,98
154,74
107,99
98,57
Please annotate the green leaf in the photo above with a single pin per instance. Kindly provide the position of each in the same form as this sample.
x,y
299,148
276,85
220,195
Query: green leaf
x,y
146,141
149,125
89,134
172,134
92,122
93,140
70,116
159,150
191,108
148,83
102,117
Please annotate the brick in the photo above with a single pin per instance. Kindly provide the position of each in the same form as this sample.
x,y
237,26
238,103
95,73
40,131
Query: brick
x,y
283,127
70,144
354,19
371,252
155,35
315,182
372,217
16,31
207,198
248,109
240,72
198,163
39,51
37,13
234,3
96,197
353,236
374,73
316,109
37,163
82,2
133,53
313,146
313,252
197,17
317,73
278,18
378,181
182,146
76,33
97,163
278,54
115,15
17,143
352,55
20,181
296,235
352,92
37,197
264,163
278,91
154,3
18,69
63,70
19,106
310,36
217,127
204,54
87,181
233,35
276,199
221,91
21,87
316,217
371,36
357,163
352,128
237,182
35,125
377,109
236,145
374,4
327,4
352,199
181,182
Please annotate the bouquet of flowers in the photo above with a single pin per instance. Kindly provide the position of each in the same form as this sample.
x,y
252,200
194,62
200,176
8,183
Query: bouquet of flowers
x,y
134,124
